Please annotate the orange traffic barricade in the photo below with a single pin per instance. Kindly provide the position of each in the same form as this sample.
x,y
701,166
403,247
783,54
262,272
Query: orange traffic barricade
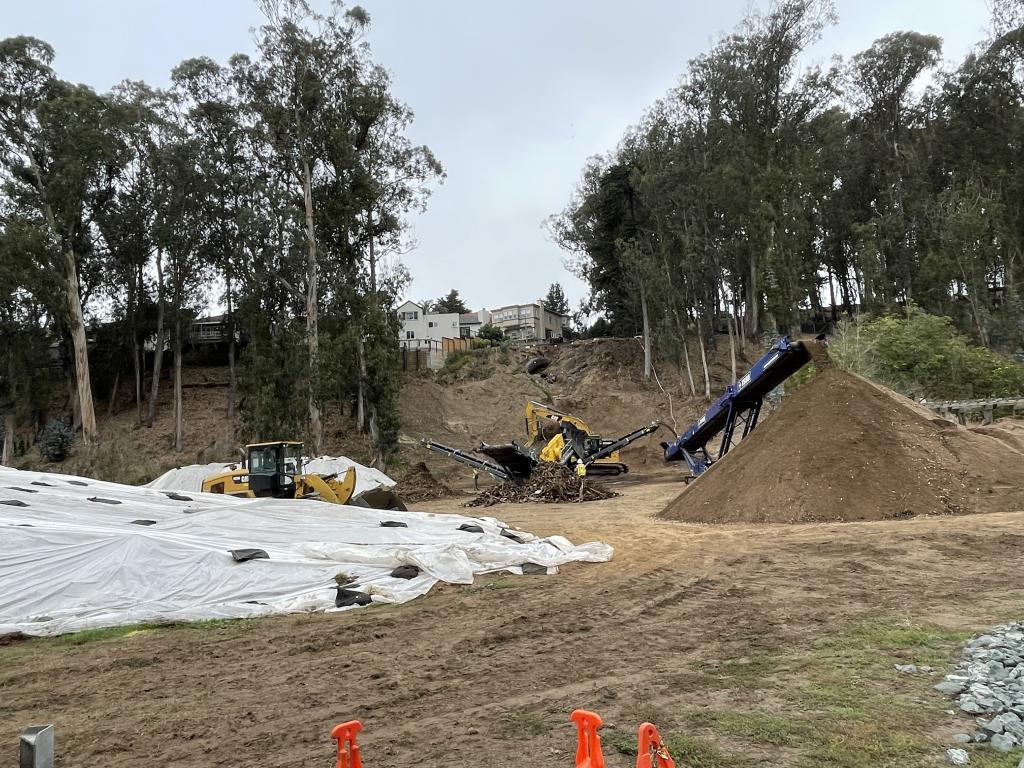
x,y
650,750
588,743
348,749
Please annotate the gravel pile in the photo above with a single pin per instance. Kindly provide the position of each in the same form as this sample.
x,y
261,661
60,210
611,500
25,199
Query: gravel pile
x,y
989,684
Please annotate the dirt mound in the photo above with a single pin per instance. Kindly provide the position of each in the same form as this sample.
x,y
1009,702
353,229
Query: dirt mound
x,y
419,484
548,484
841,448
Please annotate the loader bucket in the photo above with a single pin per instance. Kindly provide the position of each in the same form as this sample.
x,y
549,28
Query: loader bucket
x,y
379,498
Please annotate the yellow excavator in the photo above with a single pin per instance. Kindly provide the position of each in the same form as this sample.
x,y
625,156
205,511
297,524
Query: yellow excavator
x,y
552,437
546,430
276,470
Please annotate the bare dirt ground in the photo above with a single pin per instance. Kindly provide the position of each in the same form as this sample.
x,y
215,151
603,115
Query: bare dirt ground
x,y
748,645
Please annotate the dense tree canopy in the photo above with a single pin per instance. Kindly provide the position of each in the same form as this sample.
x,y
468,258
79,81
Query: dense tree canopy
x,y
273,187
756,195
450,303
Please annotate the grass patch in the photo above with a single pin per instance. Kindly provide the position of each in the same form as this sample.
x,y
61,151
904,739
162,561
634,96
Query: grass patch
x,y
743,673
838,703
108,634
518,725
686,750
759,727
512,583
986,757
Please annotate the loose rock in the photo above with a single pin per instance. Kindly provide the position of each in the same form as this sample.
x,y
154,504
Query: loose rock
x,y
958,756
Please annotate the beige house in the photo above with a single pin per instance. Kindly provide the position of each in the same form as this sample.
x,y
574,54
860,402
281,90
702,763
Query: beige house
x,y
526,322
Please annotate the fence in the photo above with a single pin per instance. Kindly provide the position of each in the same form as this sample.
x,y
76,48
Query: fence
x,y
415,359
454,345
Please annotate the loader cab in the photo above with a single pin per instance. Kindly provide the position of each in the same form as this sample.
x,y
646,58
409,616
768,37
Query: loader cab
x,y
273,468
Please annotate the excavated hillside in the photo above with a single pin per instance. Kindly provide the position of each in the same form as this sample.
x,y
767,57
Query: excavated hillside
x,y
599,380
841,448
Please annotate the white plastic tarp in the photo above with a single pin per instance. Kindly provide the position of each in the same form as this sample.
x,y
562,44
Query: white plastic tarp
x,y
191,476
77,553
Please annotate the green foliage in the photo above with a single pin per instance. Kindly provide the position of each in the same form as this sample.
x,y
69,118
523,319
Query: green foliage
x,y
55,440
923,355
555,300
448,304
491,332
472,365
762,190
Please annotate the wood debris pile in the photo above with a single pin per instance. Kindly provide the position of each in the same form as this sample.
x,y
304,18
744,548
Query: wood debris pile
x,y
548,484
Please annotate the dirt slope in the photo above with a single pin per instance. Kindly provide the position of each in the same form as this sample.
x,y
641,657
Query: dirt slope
x,y
842,448
599,380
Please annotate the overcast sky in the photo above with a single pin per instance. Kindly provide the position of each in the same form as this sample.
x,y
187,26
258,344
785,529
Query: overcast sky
x,y
513,97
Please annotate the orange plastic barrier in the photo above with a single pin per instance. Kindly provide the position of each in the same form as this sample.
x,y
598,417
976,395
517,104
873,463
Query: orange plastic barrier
x,y
650,751
348,749
588,743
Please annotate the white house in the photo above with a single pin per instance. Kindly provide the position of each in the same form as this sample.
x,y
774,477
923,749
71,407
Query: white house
x,y
424,330
471,322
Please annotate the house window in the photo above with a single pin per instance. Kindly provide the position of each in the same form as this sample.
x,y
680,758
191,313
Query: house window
x,y
410,334
410,315
430,325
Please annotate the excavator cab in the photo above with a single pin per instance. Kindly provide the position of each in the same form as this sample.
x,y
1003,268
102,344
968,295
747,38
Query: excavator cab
x,y
274,468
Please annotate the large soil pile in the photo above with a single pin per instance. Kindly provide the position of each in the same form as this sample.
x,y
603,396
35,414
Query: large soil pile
x,y
841,448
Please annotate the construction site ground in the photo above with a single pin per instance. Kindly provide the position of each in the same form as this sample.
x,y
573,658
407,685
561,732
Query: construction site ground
x,y
747,645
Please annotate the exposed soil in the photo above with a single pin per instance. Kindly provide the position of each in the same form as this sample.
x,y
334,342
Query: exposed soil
x,y
681,621
841,448
419,484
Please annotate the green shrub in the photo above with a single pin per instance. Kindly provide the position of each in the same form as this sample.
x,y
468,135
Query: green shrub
x,y
490,332
924,356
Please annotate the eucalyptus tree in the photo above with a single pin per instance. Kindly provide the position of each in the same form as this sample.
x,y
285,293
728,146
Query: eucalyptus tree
x,y
53,143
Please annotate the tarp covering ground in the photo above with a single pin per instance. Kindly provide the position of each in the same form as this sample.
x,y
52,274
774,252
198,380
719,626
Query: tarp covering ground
x,y
191,476
77,553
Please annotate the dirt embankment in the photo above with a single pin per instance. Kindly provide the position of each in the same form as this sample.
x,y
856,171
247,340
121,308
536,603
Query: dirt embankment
x,y
841,448
599,380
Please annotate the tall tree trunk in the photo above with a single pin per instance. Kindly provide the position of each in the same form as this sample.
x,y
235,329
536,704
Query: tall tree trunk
x,y
112,403
7,459
179,416
361,409
79,344
831,296
371,253
138,361
689,369
732,328
647,331
703,359
158,355
233,381
316,431
136,352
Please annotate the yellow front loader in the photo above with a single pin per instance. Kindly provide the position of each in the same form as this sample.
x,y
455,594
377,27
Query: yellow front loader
x,y
276,470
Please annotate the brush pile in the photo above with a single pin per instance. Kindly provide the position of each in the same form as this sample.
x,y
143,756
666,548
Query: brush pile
x,y
548,484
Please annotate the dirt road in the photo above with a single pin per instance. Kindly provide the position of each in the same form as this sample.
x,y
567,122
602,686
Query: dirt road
x,y
751,645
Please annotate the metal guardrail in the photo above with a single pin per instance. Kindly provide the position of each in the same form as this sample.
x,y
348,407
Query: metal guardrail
x,y
960,410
